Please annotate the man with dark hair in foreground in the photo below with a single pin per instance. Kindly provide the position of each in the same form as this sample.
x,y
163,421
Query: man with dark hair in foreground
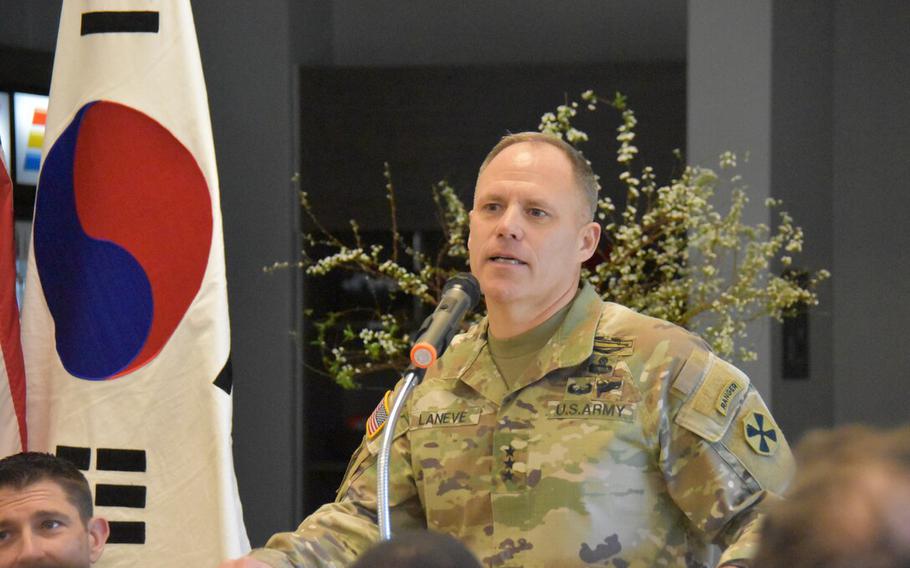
x,y
849,505
561,430
46,514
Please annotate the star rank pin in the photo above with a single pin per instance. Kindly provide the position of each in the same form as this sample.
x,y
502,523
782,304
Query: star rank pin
x,y
761,433
377,420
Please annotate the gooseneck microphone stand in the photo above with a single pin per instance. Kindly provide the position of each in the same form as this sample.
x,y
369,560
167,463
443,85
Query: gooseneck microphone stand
x,y
411,379
459,296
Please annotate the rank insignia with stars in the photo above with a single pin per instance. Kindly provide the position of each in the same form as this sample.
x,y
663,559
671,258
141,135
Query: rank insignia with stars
x,y
762,434
508,474
379,416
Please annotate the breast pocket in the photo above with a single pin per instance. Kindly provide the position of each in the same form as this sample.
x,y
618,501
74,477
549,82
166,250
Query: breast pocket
x,y
582,433
594,451
451,456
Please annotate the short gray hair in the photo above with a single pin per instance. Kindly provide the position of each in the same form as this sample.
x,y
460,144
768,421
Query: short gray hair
x,y
584,175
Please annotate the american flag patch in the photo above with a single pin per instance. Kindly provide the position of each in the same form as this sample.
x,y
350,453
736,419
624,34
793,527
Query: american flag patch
x,y
379,416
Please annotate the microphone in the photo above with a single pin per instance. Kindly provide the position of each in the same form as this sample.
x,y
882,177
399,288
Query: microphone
x,y
459,296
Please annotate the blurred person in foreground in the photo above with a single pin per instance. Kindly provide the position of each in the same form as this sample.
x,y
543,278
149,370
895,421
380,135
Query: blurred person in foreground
x,y
46,516
418,549
849,505
561,430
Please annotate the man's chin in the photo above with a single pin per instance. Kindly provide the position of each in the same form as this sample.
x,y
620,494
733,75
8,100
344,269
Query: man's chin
x,y
499,292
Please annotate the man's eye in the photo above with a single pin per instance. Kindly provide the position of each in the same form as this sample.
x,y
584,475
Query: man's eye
x,y
4,535
492,207
535,212
51,524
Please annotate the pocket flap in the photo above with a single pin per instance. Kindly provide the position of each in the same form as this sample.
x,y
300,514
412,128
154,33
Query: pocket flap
x,y
714,398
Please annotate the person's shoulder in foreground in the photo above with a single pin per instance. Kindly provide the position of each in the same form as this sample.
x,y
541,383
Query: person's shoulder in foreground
x,y
46,514
849,504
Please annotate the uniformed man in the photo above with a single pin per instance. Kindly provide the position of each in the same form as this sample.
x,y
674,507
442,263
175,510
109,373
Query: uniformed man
x,y
560,431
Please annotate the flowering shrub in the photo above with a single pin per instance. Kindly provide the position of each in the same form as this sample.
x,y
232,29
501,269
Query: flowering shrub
x,y
666,252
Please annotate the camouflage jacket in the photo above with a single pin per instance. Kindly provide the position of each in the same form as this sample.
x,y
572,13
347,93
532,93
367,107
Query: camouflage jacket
x,y
626,444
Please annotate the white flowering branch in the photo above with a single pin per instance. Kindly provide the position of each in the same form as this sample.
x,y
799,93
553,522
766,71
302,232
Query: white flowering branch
x,y
668,253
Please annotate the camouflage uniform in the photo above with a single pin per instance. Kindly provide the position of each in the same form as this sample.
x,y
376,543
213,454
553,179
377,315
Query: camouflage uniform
x,y
626,444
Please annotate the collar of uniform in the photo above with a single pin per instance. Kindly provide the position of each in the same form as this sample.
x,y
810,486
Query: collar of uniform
x,y
571,345
461,353
573,341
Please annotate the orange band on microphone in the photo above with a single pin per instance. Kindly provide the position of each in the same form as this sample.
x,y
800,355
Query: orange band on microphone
x,y
423,355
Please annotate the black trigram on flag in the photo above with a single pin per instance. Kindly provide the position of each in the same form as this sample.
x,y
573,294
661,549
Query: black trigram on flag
x,y
119,22
129,496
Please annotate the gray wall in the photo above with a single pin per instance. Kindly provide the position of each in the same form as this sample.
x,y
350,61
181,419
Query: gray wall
x,y
817,91
246,55
391,32
29,25
802,157
871,203
729,103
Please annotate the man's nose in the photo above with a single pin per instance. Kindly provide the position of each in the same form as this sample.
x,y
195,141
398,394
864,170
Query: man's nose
x,y
29,548
510,223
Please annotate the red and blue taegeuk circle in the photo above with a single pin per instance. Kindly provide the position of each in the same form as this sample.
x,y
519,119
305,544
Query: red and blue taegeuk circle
x,y
123,231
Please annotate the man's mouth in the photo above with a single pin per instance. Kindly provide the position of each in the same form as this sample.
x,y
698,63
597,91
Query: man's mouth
x,y
506,260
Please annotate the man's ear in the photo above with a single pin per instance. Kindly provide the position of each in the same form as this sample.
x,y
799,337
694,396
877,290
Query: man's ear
x,y
98,531
589,238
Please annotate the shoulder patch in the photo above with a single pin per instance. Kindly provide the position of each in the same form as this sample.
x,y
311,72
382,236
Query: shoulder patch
x,y
761,433
379,416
